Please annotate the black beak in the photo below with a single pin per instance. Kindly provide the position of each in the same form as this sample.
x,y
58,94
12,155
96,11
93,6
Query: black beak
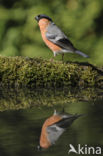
x,y
39,148
36,18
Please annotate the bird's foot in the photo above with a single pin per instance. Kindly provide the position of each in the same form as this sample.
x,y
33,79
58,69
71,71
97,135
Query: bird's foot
x,y
51,60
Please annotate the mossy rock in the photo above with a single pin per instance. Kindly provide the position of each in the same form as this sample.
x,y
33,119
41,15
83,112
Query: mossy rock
x,y
37,72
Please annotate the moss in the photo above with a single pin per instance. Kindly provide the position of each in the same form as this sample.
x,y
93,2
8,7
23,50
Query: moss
x,y
36,72
15,99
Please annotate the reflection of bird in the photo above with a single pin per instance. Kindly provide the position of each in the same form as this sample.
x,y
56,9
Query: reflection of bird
x,y
54,38
54,126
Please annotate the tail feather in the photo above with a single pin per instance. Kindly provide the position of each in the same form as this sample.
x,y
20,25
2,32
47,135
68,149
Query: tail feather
x,y
81,53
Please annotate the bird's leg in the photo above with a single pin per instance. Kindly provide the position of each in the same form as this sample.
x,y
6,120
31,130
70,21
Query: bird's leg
x,y
55,112
52,59
63,57
63,109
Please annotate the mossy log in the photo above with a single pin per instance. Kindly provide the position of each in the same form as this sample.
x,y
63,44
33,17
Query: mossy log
x,y
37,72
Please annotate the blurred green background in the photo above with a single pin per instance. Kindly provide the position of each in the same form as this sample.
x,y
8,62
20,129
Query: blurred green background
x,y
81,20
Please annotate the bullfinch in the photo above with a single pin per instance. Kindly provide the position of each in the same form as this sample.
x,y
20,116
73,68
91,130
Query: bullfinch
x,y
54,127
54,38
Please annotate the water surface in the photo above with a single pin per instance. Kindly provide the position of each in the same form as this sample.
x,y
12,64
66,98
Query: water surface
x,y
22,113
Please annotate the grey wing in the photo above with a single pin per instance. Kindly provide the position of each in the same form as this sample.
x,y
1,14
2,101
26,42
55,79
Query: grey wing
x,y
55,35
54,132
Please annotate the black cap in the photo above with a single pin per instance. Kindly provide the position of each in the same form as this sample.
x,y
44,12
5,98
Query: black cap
x,y
38,17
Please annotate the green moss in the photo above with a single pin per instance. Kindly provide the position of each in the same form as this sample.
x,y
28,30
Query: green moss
x,y
35,72
14,98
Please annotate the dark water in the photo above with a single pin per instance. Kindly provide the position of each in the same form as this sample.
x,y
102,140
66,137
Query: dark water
x,y
23,113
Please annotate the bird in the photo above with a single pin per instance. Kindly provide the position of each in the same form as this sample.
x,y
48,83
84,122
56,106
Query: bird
x,y
54,127
54,38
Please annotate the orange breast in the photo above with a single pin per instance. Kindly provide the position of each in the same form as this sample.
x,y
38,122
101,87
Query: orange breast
x,y
43,24
44,142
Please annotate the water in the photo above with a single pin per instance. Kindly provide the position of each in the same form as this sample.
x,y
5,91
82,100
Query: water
x,y
23,112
